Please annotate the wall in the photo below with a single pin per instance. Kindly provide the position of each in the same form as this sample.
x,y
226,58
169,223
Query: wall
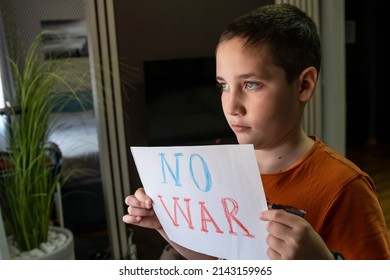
x,y
155,29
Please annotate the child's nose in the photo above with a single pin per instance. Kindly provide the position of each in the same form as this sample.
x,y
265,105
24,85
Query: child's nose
x,y
235,103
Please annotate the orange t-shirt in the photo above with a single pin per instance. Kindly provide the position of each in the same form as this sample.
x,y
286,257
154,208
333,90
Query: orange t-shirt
x,y
339,199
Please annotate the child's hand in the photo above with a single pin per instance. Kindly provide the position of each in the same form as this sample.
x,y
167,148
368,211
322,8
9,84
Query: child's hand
x,y
292,237
140,211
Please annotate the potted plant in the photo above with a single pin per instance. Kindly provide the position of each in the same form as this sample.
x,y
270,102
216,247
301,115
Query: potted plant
x,y
31,172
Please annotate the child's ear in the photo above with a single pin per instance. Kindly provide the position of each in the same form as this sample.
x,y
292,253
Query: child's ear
x,y
308,82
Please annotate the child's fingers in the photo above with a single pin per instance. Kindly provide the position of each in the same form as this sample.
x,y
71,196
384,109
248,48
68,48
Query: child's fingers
x,y
137,211
131,200
145,200
280,216
139,200
130,219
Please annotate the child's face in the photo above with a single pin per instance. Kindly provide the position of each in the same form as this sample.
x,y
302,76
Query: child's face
x,y
258,103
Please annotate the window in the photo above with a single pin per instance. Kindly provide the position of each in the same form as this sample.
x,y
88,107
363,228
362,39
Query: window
x,y
2,100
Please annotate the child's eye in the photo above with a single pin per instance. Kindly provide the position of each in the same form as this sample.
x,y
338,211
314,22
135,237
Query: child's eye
x,y
222,86
251,85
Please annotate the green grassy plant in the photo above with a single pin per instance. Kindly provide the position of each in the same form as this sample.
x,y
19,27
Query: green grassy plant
x,y
27,187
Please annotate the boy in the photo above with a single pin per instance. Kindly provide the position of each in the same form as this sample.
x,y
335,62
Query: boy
x,y
268,63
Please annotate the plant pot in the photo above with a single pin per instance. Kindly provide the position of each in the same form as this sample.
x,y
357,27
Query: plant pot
x,y
65,250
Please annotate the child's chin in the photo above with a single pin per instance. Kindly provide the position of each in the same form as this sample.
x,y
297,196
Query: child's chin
x,y
243,140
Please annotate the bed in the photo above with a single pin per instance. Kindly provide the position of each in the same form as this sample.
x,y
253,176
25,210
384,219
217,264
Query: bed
x,y
75,133
83,206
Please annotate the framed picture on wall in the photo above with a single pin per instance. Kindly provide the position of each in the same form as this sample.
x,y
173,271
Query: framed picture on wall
x,y
64,38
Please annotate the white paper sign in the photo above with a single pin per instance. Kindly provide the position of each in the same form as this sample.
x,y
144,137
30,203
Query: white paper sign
x,y
207,198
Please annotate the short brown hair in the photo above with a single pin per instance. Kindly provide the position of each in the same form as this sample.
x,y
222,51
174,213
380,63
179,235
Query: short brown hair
x,y
290,34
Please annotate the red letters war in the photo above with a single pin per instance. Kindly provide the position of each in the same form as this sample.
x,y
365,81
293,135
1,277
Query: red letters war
x,y
206,217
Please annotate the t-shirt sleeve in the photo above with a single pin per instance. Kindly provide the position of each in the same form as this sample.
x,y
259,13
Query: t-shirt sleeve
x,y
355,224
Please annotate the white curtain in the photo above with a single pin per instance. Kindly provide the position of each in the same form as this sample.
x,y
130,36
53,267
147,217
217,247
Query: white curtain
x,y
6,89
325,114
4,85
4,254
312,118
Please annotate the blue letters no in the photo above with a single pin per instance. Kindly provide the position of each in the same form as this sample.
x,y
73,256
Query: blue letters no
x,y
175,176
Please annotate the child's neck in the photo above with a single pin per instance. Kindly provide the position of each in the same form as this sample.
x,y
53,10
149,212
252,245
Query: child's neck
x,y
283,156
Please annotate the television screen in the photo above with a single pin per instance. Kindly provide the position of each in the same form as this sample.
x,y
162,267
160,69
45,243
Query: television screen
x,y
183,103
